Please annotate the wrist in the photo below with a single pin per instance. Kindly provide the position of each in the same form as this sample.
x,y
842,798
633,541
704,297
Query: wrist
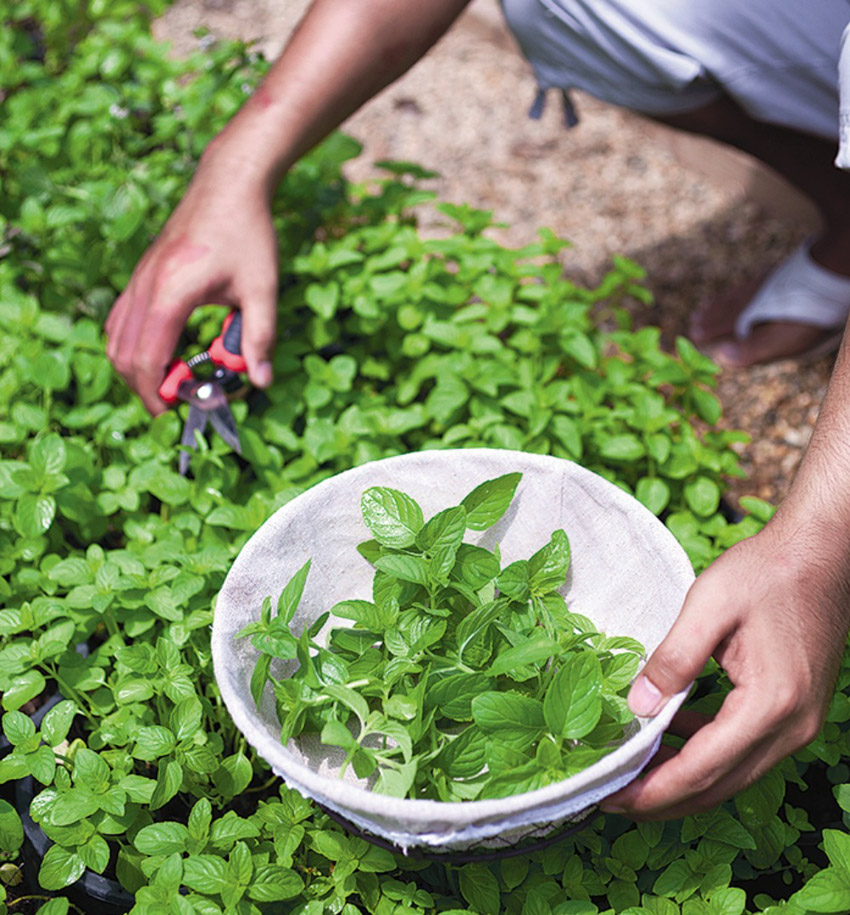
x,y
243,161
811,554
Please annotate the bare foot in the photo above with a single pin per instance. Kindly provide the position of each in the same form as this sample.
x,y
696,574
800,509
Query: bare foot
x,y
714,320
772,341
712,328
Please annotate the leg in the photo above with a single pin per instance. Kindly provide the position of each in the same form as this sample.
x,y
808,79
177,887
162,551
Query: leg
x,y
807,162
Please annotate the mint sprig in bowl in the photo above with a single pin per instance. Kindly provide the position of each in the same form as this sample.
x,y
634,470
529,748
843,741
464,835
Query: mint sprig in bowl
x,y
627,574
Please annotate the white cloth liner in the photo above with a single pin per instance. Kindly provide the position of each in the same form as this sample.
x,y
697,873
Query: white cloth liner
x,y
629,575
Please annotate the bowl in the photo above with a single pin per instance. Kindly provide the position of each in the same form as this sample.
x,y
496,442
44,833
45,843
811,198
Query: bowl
x,y
628,574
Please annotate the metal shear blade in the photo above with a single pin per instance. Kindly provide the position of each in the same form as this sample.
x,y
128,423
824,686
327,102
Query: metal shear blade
x,y
207,402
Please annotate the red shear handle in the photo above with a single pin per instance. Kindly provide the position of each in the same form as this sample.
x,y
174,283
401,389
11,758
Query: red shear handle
x,y
226,349
178,372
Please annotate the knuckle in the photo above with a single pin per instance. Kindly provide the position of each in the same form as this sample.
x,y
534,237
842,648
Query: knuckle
x,y
123,366
703,782
785,704
667,665
808,729
144,364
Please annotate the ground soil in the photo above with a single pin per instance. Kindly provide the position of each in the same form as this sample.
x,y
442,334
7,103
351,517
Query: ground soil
x,y
612,185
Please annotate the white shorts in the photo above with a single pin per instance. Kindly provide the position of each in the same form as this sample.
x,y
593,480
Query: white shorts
x,y
777,58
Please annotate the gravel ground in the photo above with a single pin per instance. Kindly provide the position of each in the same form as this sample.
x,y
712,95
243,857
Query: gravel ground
x,y
612,185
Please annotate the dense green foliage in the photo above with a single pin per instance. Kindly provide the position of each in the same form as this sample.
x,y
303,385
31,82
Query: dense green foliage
x,y
478,680
389,342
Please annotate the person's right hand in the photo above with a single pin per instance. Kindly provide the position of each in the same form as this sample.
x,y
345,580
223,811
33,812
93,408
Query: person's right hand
x,y
219,246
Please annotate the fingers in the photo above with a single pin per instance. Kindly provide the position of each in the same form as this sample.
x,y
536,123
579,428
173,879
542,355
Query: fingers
x,y
141,337
648,798
757,726
259,320
719,759
680,658
158,335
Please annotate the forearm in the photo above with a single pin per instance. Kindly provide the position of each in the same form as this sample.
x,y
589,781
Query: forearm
x,y
818,503
342,54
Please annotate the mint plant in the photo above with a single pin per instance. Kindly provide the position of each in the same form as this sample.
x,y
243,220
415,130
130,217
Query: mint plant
x,y
477,679
110,561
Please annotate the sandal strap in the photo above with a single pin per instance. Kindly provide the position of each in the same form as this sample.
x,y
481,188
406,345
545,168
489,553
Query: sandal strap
x,y
798,290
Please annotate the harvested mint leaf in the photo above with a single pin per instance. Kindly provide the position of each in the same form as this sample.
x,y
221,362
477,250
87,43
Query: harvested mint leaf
x,y
392,516
460,679
486,504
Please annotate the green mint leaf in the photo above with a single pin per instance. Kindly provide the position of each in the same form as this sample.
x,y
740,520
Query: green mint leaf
x,y
654,493
34,514
406,568
397,782
200,817
153,742
826,891
336,734
350,699
480,888
91,771
162,838
57,722
168,783
702,496
95,853
489,501
290,597
474,566
18,728
527,777
276,642
234,775
259,677
547,568
573,703
476,623
370,550
43,764
464,756
205,873
494,712
444,530
374,617
619,670
273,883
73,806
11,829
186,718
393,517
452,696
535,650
514,581
60,867
22,688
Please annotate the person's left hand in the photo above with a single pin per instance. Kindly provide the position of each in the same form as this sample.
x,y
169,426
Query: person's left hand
x,y
774,613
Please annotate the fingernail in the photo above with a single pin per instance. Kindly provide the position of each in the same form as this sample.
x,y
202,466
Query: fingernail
x,y
644,698
263,375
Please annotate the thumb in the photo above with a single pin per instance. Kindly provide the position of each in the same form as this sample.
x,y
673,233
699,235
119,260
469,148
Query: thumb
x,y
259,323
679,659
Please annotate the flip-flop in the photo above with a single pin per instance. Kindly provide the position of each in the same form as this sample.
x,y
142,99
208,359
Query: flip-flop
x,y
801,291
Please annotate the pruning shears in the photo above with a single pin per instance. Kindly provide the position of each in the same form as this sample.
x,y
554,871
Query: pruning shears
x,y
207,397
